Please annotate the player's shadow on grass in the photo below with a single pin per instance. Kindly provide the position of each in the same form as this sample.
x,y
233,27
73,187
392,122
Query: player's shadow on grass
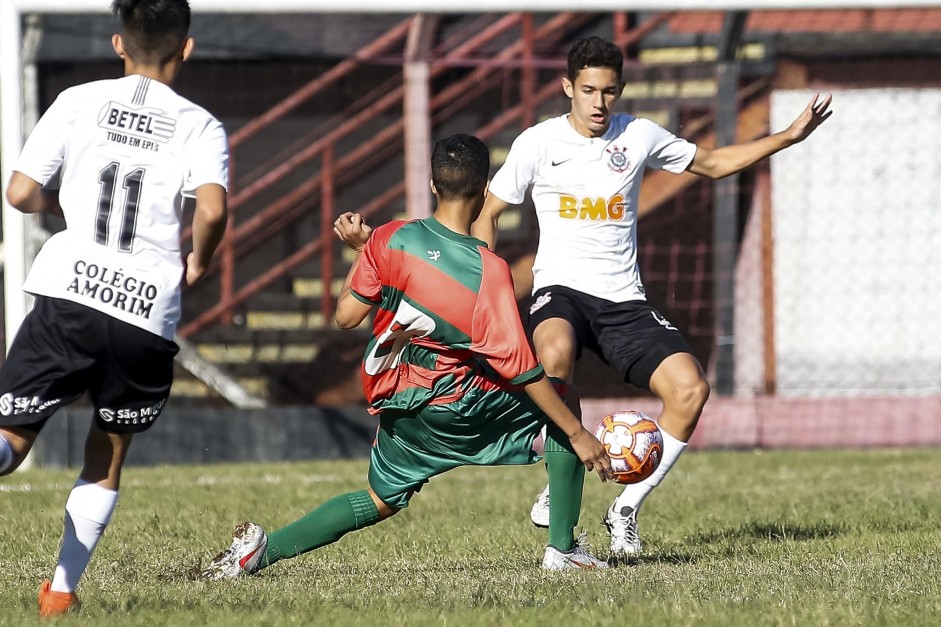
x,y
669,559
772,531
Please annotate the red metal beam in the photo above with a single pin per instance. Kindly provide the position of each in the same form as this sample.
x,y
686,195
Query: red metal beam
x,y
555,25
528,79
364,102
311,151
283,267
333,74
383,103
326,228
277,216
386,101
630,37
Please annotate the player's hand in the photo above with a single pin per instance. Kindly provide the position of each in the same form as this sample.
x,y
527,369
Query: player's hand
x,y
193,272
592,454
810,118
352,231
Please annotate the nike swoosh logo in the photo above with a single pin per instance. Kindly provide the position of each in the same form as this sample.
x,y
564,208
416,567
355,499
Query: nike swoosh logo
x,y
244,560
580,565
555,163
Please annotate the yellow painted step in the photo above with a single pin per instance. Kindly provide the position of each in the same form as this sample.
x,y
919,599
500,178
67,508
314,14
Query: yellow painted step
x,y
189,388
690,54
284,320
194,388
699,88
263,353
257,386
510,219
313,288
348,255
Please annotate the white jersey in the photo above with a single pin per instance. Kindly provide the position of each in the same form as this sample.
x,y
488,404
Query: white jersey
x,y
585,191
126,150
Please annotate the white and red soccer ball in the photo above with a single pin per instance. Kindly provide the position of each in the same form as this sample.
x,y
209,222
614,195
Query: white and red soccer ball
x,y
634,444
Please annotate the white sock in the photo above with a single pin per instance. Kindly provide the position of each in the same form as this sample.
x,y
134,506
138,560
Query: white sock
x,y
634,494
6,454
87,513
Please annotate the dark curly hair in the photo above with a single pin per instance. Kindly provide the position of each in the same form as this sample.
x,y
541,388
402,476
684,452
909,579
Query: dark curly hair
x,y
594,52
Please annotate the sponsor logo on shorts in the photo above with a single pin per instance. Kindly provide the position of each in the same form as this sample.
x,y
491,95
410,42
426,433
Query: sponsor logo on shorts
x,y
663,322
141,416
541,302
15,405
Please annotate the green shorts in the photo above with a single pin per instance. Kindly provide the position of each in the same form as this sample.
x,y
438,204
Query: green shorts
x,y
484,428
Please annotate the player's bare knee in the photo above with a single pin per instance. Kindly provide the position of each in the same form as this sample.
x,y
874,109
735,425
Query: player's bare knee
x,y
688,397
700,393
557,357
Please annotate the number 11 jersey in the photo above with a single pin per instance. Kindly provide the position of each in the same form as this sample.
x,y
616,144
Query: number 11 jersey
x,y
126,152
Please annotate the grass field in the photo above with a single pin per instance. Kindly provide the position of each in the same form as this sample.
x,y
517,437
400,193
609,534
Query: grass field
x,y
764,538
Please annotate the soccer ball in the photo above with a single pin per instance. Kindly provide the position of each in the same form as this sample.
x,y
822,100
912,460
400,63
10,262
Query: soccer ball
x,y
634,444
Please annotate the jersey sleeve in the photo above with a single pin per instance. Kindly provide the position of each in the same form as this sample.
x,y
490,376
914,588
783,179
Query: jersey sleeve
x,y
44,150
497,331
516,174
366,284
667,151
207,154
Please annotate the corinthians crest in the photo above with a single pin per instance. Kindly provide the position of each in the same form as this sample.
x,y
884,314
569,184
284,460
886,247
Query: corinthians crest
x,y
617,158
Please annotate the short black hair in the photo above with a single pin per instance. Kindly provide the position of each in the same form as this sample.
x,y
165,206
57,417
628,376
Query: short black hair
x,y
594,52
153,30
460,167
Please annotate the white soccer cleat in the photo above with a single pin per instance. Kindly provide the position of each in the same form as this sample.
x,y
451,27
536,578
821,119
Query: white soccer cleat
x,y
625,541
578,557
539,514
242,557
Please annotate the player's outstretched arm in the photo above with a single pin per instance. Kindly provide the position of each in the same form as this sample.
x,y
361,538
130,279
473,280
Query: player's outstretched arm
x,y
352,230
589,450
29,196
209,221
485,226
719,162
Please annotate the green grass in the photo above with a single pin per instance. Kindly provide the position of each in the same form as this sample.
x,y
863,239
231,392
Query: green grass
x,y
764,538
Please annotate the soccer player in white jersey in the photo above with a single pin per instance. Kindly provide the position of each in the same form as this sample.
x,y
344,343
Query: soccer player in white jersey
x,y
585,169
108,287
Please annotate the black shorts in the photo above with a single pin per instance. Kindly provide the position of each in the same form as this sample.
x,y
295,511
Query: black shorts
x,y
64,349
632,337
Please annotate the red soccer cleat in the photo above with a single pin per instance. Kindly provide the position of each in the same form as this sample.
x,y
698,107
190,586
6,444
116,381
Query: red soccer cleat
x,y
53,603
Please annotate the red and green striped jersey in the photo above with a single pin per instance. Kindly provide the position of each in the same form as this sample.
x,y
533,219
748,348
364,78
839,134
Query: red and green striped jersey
x,y
447,317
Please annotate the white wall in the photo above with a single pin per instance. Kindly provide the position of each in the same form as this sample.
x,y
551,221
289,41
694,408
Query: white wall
x,y
857,246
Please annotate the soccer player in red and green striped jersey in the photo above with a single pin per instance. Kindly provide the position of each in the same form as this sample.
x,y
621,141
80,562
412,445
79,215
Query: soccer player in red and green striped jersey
x,y
449,371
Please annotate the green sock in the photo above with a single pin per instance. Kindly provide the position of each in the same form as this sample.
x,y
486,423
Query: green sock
x,y
566,481
325,525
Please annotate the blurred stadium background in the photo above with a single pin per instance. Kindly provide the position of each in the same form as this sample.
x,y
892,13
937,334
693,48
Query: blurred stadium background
x,y
808,286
